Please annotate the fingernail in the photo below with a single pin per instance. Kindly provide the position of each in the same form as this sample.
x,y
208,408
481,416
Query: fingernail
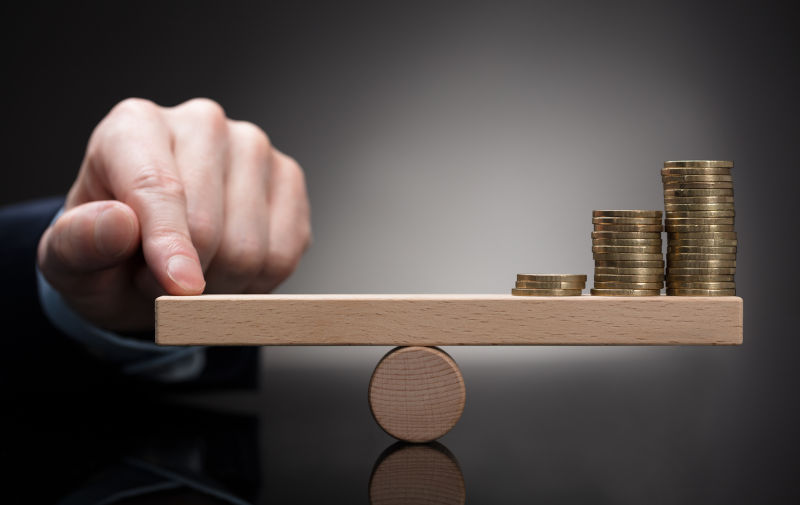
x,y
111,239
185,273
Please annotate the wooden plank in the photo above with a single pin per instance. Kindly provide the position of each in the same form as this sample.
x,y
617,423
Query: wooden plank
x,y
439,320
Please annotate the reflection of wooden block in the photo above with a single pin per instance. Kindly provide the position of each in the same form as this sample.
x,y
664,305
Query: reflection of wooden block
x,y
417,393
418,474
428,320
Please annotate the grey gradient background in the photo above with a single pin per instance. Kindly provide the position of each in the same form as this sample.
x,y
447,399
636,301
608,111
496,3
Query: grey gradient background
x,y
448,147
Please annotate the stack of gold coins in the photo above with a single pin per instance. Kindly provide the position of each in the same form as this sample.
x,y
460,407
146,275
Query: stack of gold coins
x,y
549,285
626,245
701,238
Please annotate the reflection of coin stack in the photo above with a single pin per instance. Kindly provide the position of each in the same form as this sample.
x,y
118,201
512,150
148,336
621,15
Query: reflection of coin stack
x,y
626,245
701,238
549,285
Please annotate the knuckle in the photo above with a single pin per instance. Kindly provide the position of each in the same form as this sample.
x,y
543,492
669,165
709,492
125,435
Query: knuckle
x,y
295,177
243,259
204,107
203,229
282,263
124,118
166,238
151,179
133,107
305,235
208,112
254,138
295,171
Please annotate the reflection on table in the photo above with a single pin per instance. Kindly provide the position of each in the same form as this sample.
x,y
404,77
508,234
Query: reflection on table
x,y
424,474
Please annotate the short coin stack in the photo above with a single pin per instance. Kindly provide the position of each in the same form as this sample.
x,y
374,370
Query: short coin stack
x,y
626,245
701,238
549,285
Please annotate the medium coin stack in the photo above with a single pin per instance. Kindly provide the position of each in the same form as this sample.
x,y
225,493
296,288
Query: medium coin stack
x,y
549,285
626,245
701,238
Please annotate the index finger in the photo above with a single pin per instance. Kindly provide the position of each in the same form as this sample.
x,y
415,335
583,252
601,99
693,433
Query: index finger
x,y
133,158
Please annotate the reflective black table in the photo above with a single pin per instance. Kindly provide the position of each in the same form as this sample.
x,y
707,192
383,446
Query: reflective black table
x,y
594,425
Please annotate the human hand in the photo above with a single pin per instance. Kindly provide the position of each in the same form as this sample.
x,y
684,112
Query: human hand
x,y
174,201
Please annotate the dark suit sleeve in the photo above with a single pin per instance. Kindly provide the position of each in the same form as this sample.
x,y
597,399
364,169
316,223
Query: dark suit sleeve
x,y
37,356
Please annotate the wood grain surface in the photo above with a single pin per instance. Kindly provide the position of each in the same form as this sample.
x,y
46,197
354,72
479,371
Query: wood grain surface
x,y
418,474
417,394
428,320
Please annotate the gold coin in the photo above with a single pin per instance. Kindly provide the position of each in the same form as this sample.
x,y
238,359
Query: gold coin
x,y
546,292
700,250
697,200
696,178
640,242
700,228
625,220
701,220
703,243
626,249
552,277
649,271
659,277
625,292
629,227
550,285
678,260
669,186
673,271
684,228
628,282
698,195
700,278
698,163
674,172
679,216
673,197
694,249
673,218
701,264
616,235
628,285
701,285
698,207
701,213
628,213
700,292
695,193
628,264
686,255
704,235
627,256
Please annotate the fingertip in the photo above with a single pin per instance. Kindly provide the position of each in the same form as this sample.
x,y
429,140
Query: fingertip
x,y
186,274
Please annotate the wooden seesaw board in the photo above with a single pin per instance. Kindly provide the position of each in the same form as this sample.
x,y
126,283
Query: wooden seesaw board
x,y
417,392
442,320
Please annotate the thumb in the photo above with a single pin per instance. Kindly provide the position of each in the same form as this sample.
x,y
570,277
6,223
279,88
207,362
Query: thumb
x,y
87,238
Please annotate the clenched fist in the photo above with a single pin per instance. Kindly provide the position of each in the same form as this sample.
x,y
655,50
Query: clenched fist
x,y
176,200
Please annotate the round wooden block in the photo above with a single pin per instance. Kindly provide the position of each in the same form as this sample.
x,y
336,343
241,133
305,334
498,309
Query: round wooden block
x,y
418,474
417,394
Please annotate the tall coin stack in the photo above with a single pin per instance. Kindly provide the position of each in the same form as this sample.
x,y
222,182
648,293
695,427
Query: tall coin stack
x,y
549,285
626,245
701,238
